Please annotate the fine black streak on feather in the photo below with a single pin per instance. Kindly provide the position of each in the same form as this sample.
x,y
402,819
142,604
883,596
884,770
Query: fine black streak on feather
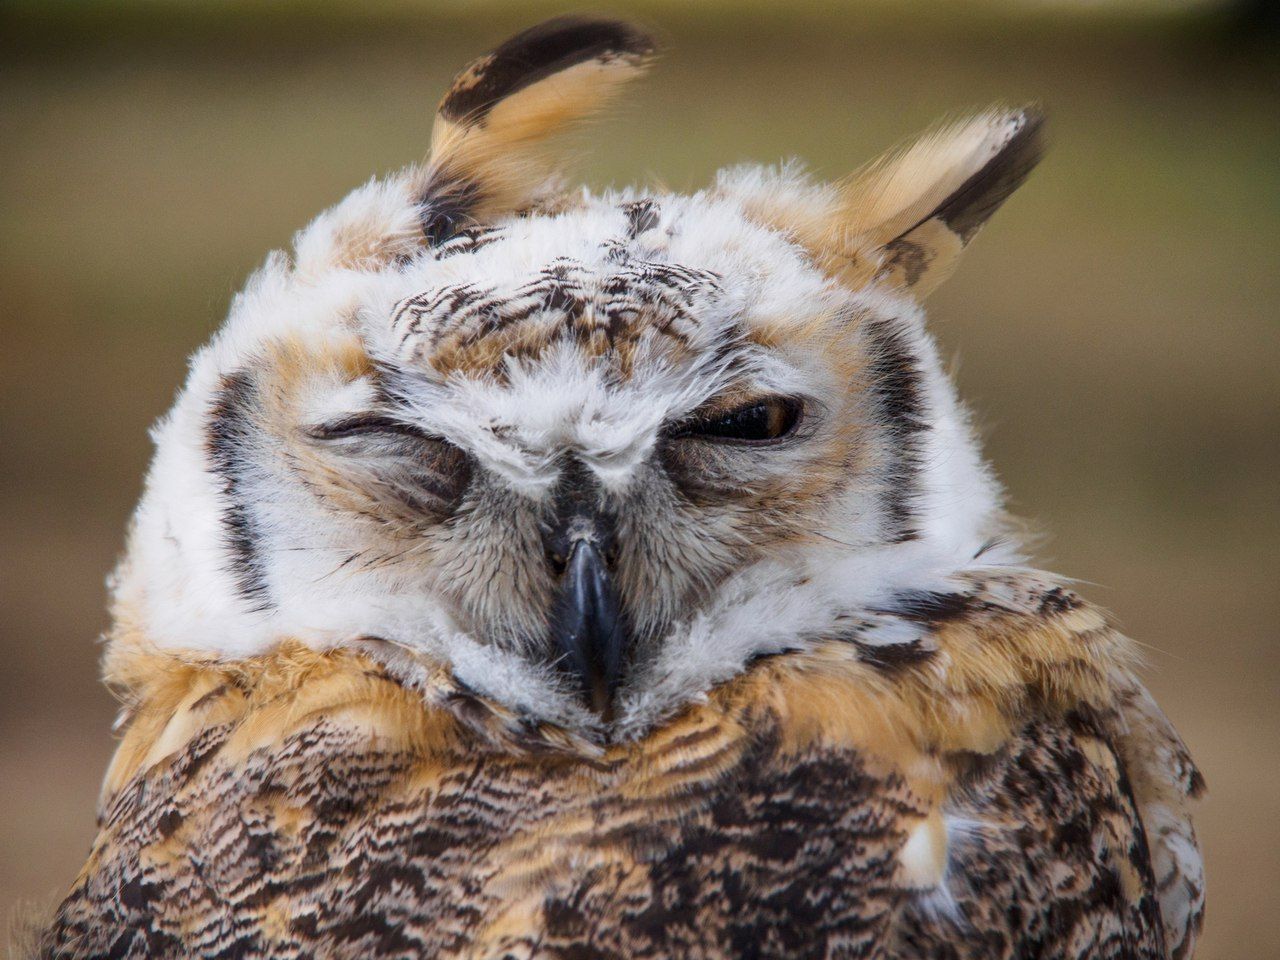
x,y
536,54
928,606
897,388
823,536
644,298
642,216
209,697
988,546
341,566
227,439
468,240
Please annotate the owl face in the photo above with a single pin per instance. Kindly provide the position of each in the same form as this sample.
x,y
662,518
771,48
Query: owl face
x,y
594,453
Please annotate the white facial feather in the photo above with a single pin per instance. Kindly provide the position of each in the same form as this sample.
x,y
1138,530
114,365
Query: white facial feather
x,y
326,579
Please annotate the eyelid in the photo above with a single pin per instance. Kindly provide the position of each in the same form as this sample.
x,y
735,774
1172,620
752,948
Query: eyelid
x,y
368,423
688,426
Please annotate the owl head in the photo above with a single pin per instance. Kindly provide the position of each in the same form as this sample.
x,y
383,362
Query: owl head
x,y
593,453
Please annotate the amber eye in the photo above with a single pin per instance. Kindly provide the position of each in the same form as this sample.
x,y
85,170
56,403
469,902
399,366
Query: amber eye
x,y
769,419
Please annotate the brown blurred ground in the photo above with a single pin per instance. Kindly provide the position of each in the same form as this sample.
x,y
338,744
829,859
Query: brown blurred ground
x,y
1119,324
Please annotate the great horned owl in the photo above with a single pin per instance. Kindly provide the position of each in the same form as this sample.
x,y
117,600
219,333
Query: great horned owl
x,y
527,572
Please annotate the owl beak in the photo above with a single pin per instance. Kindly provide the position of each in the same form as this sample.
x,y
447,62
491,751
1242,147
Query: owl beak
x,y
586,624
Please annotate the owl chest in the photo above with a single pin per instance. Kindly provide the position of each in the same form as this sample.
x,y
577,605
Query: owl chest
x,y
330,846
715,846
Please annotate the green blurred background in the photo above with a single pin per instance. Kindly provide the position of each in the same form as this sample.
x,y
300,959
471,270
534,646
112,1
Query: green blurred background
x,y
1117,326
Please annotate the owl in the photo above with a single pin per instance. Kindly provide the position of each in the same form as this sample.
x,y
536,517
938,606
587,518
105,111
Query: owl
x,y
527,572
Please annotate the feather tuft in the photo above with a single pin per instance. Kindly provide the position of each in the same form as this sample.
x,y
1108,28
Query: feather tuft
x,y
486,157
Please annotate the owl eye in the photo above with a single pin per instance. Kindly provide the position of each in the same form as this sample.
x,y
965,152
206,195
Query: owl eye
x,y
401,463
367,424
770,419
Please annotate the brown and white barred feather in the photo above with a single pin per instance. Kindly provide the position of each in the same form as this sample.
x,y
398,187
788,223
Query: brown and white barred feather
x,y
1003,794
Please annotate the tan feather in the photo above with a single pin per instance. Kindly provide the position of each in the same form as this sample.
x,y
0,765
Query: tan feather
x,y
307,802
488,144
905,218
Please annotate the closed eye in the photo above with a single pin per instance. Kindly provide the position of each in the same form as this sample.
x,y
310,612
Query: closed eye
x,y
366,424
761,421
398,463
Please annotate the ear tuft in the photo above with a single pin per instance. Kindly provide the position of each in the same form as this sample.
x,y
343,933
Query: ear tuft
x,y
485,158
548,48
904,220
1016,146
963,174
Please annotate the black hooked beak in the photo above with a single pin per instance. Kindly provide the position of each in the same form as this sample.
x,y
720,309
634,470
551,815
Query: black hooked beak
x,y
586,623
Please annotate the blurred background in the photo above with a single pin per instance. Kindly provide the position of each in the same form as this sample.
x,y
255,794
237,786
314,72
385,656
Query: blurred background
x,y
1116,329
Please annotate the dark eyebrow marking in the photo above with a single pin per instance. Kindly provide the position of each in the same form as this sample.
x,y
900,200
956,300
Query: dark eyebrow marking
x,y
898,392
227,445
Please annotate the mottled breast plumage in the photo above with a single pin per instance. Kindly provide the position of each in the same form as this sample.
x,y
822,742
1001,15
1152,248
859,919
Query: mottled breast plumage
x,y
309,804
526,572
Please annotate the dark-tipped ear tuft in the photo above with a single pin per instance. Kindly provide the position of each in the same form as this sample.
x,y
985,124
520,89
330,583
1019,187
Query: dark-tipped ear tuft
x,y
973,203
904,220
1009,144
489,144
486,148
537,53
